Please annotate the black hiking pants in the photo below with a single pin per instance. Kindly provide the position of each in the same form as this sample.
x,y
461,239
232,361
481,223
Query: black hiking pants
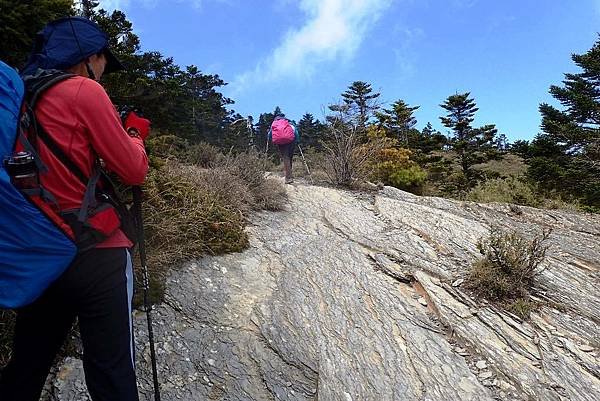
x,y
97,288
287,154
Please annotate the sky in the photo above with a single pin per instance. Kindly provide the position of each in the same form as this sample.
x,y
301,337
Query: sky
x,y
301,55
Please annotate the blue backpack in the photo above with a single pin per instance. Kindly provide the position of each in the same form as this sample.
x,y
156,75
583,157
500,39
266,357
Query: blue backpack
x,y
34,250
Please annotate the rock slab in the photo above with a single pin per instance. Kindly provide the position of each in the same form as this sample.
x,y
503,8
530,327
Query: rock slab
x,y
358,297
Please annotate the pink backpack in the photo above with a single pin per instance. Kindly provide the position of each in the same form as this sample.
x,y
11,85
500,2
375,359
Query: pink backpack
x,y
282,132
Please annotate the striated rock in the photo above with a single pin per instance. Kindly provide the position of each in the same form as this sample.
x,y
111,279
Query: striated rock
x,y
328,304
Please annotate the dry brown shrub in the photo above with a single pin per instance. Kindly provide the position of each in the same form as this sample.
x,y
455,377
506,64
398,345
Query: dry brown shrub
x,y
508,269
269,195
223,187
203,155
184,221
250,167
349,158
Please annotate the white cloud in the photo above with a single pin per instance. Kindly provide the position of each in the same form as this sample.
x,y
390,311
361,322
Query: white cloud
x,y
114,4
464,3
334,29
125,4
405,54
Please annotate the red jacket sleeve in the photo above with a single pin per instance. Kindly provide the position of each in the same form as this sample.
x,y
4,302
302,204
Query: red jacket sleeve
x,y
123,155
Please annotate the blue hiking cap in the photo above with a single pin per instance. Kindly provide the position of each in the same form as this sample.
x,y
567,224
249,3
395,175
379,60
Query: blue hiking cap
x,y
67,42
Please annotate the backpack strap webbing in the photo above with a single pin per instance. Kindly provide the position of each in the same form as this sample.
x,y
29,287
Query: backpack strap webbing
x,y
42,80
60,155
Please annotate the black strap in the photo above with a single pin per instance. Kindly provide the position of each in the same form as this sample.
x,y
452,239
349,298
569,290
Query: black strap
x,y
31,149
89,196
60,155
40,81
36,85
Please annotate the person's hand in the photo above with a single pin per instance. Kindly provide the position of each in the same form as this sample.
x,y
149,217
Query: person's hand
x,y
137,126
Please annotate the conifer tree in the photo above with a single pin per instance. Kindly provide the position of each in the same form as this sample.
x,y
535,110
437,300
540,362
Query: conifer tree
x,y
566,156
400,122
21,20
311,130
472,145
360,102
430,139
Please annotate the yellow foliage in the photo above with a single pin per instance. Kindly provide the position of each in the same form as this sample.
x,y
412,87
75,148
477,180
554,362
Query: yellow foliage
x,y
394,167
374,131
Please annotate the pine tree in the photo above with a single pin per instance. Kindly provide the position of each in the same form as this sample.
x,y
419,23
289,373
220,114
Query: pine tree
x,y
472,145
501,143
311,130
573,134
430,140
360,102
21,20
86,7
520,147
399,122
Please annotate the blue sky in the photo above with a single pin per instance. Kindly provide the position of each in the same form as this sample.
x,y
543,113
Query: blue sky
x,y
301,55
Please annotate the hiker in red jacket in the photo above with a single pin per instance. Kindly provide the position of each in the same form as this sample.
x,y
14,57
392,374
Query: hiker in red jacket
x,y
97,288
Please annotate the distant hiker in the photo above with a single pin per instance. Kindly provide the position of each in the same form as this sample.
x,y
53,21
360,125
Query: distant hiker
x,y
77,125
285,135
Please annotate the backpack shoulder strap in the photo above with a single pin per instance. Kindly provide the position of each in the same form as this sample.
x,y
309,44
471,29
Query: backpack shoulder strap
x,y
60,155
42,80
35,86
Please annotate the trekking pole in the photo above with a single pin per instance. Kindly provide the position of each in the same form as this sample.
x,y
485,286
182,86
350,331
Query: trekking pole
x,y
266,158
305,164
137,206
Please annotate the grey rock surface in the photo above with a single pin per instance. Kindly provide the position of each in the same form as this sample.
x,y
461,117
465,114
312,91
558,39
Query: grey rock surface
x,y
358,297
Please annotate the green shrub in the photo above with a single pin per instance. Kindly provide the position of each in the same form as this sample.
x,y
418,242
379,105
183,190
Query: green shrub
x,y
520,192
409,179
507,190
203,154
522,307
394,167
507,271
166,146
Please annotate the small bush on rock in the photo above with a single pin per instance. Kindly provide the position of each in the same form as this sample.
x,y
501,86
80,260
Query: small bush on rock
x,y
183,220
507,271
250,168
394,167
507,190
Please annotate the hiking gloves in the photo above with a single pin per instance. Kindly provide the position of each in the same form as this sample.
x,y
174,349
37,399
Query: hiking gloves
x,y
137,126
